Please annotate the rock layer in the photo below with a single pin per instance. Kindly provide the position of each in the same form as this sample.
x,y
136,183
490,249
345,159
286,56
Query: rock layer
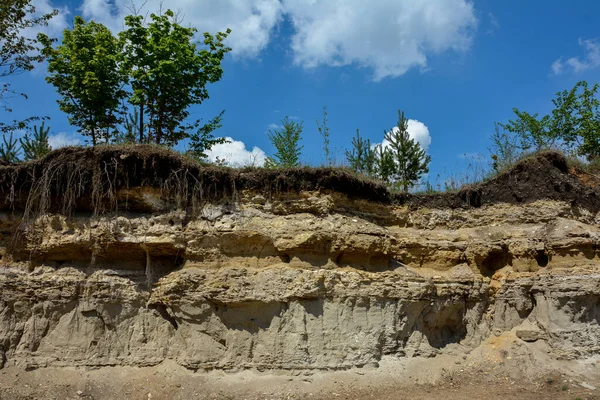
x,y
275,284
309,278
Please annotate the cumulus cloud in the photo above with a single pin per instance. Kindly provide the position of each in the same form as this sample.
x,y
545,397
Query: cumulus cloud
x,y
590,60
388,36
55,25
557,67
235,154
63,139
417,131
252,21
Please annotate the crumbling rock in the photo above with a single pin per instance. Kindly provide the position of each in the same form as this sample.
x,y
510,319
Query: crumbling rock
x,y
292,279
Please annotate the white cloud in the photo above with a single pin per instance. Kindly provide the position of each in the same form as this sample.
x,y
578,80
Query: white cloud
x,y
252,21
417,131
56,24
63,139
388,36
494,25
557,67
235,154
591,59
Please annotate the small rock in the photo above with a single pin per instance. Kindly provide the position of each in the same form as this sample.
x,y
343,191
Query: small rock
x,y
529,332
79,393
587,386
258,199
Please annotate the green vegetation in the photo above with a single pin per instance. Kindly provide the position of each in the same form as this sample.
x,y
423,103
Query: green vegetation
x,y
158,61
573,126
9,149
131,129
361,158
84,69
286,141
323,129
137,87
400,164
18,51
36,146
384,165
202,140
410,160
168,74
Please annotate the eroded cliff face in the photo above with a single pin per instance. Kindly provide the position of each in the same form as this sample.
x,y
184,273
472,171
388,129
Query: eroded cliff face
x,y
294,280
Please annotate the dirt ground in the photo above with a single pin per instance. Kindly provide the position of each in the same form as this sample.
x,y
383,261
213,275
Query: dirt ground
x,y
502,368
169,382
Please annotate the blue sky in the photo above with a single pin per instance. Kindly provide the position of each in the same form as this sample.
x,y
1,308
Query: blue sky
x,y
454,65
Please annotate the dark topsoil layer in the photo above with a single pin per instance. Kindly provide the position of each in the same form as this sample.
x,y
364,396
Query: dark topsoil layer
x,y
88,179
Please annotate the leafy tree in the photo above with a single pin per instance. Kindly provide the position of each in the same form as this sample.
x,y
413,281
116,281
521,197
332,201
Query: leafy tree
x,y
410,159
168,73
9,150
286,141
324,132
202,140
18,52
84,69
362,158
534,132
574,123
576,117
37,146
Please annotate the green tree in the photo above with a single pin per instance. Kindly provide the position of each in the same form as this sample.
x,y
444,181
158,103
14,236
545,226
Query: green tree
x,y
362,157
385,166
574,123
324,132
534,132
18,52
410,159
168,73
202,140
36,146
576,118
286,141
131,128
9,149
85,71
